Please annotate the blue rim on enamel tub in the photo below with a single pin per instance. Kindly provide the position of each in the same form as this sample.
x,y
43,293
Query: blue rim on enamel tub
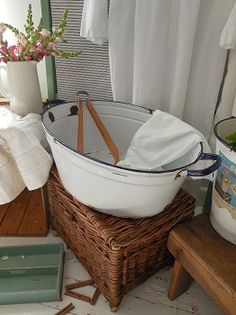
x,y
202,156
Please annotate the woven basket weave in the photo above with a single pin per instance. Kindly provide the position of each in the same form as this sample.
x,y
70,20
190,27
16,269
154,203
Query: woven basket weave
x,y
118,253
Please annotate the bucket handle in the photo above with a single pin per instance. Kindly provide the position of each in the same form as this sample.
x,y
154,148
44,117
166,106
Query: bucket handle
x,y
205,171
208,170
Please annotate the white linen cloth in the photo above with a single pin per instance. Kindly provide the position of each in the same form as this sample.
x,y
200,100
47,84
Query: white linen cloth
x,y
24,162
161,140
164,54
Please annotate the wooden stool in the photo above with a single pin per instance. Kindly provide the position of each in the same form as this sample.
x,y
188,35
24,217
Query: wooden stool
x,y
200,253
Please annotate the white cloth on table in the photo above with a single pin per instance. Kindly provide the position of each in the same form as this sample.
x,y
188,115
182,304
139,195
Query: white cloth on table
x,y
24,162
162,140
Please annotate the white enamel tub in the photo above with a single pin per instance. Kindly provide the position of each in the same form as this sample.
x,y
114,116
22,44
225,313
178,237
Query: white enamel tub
x,y
101,185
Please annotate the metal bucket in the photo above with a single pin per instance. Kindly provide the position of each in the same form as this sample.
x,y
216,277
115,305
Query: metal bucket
x,y
223,212
95,181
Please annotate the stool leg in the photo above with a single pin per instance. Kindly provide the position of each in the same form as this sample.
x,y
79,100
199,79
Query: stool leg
x,y
180,281
114,305
114,309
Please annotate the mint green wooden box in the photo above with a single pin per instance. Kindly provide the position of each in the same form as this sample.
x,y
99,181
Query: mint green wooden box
x,y
31,273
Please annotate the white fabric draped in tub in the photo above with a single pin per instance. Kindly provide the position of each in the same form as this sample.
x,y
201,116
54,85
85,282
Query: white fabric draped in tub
x,y
164,54
163,143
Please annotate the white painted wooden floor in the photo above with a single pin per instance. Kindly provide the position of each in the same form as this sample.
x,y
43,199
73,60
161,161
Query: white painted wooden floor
x,y
149,298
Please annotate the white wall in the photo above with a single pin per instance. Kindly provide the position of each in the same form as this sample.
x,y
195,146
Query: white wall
x,y
14,12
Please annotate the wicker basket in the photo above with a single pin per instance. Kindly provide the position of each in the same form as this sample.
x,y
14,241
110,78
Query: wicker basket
x,y
118,253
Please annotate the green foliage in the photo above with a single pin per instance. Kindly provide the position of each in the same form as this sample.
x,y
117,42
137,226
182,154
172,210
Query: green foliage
x,y
231,139
12,28
29,26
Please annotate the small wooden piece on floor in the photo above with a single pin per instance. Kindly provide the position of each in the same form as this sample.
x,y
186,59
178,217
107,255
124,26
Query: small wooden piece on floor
x,y
78,296
95,297
70,287
66,309
202,254
79,284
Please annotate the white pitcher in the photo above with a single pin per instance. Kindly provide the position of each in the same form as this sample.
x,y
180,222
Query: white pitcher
x,y
3,80
23,87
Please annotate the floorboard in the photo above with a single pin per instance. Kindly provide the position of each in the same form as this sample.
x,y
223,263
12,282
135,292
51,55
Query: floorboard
x,y
24,216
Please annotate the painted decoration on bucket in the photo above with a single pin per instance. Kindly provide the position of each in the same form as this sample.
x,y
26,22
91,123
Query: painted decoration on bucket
x,y
225,186
223,210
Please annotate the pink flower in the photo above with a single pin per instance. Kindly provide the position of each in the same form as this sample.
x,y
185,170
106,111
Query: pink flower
x,y
34,49
59,40
41,38
40,48
20,49
39,57
45,33
3,60
21,39
42,51
52,45
4,49
13,51
47,53
28,57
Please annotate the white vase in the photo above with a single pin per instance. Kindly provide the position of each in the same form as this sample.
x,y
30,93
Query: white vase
x,y
24,89
3,80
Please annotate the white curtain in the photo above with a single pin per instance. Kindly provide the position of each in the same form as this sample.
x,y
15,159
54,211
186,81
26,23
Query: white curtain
x,y
227,106
227,97
164,54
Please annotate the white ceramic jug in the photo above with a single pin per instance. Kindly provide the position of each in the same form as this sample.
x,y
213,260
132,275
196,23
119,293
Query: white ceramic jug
x,y
3,80
23,87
